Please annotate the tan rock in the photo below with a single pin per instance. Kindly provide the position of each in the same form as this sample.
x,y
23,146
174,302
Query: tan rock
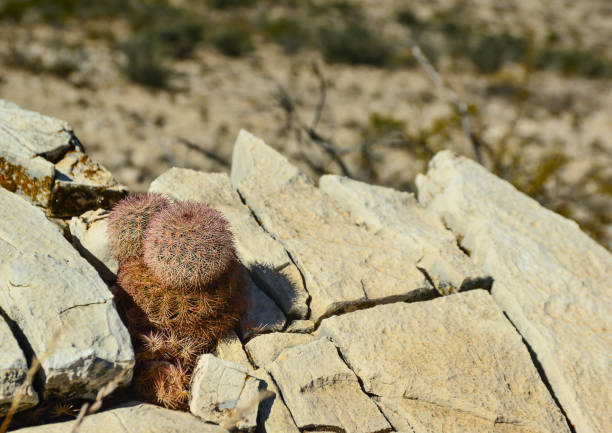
x,y
135,418
322,392
264,349
344,266
457,352
266,259
551,279
262,314
273,417
60,304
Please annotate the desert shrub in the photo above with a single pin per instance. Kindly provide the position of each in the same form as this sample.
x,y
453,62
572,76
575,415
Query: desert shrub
x,y
287,32
145,62
233,37
226,4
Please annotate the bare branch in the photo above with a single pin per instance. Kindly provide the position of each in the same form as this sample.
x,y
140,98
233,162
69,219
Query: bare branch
x,y
207,153
459,105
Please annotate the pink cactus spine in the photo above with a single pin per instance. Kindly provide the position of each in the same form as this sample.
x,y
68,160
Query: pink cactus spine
x,y
128,221
188,245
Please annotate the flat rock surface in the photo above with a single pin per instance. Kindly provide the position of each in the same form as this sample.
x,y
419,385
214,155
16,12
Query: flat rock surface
x,y
221,389
266,259
70,315
273,417
344,266
322,392
41,160
551,279
399,218
458,353
264,349
13,369
136,418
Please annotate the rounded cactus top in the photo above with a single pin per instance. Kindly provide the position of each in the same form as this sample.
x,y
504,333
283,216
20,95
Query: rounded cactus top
x,y
128,221
188,245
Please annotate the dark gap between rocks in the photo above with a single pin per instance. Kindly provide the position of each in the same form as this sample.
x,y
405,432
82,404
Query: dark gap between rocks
x,y
280,395
542,373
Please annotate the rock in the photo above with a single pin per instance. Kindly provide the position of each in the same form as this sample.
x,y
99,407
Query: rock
x,y
273,416
70,316
551,279
222,389
41,159
399,218
133,418
264,349
457,353
344,266
13,369
301,326
229,348
262,315
322,392
267,260
89,237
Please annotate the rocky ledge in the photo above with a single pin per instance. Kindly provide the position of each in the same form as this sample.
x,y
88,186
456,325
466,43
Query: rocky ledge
x,y
471,309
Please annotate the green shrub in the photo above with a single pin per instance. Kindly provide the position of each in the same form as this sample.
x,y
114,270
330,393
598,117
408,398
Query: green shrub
x,y
289,33
145,62
233,38
226,4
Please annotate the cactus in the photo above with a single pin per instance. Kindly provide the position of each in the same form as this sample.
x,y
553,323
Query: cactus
x,y
179,289
128,221
188,245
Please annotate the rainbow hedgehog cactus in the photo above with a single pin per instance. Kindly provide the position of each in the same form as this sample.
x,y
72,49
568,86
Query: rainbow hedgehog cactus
x,y
179,288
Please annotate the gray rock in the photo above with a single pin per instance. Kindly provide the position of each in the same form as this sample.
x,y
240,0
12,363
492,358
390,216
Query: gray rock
x,y
267,260
344,266
273,416
261,315
222,389
322,392
13,369
301,326
457,353
74,319
399,218
89,237
551,279
134,418
264,349
41,160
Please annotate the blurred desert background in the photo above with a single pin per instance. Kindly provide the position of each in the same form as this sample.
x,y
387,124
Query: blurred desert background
x,y
368,89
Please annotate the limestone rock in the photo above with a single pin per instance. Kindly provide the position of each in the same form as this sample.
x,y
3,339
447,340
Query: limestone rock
x,y
262,315
458,354
322,392
301,326
273,417
551,279
59,303
133,418
220,389
399,218
13,369
344,266
89,237
264,349
41,159
229,348
267,260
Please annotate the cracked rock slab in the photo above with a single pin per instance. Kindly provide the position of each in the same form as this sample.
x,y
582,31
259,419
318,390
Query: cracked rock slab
x,y
60,304
551,279
322,392
134,418
266,259
89,237
344,266
264,349
222,389
13,369
399,218
457,352
41,159
273,417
